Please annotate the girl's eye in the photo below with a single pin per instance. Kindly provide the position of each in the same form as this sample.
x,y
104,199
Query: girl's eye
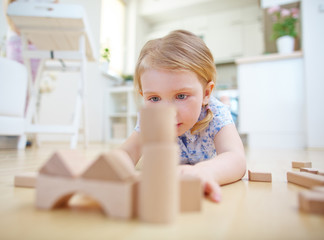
x,y
181,96
154,99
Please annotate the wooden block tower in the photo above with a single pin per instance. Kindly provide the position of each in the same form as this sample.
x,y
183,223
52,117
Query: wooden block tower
x,y
159,185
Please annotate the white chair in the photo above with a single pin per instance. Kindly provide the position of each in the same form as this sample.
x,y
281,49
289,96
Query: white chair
x,y
13,91
59,32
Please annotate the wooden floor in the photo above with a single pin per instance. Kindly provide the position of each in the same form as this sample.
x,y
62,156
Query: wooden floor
x,y
249,210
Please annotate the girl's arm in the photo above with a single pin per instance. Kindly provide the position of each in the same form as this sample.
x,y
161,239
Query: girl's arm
x,y
132,147
228,166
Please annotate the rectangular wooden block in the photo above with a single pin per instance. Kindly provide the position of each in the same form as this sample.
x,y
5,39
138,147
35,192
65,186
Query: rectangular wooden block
x,y
310,170
311,202
259,176
305,179
191,193
26,179
301,164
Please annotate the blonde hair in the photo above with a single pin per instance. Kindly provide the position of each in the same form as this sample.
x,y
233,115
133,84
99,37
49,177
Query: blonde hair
x,y
180,50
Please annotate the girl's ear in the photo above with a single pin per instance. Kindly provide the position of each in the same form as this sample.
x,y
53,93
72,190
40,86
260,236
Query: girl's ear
x,y
208,92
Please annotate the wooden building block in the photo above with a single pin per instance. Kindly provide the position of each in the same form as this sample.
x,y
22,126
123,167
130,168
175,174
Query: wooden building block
x,y
54,191
67,163
158,124
159,186
311,202
305,179
117,199
259,176
158,199
301,164
110,180
310,170
191,194
26,179
115,165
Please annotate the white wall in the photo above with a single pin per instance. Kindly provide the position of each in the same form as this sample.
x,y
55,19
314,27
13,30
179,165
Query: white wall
x,y
270,3
131,25
313,48
230,33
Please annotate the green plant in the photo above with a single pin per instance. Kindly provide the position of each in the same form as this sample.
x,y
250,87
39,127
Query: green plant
x,y
284,21
106,54
127,77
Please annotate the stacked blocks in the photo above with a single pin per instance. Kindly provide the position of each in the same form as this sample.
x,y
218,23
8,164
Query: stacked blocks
x,y
109,180
159,186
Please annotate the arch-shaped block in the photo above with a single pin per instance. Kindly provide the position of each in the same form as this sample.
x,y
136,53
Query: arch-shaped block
x,y
52,192
117,199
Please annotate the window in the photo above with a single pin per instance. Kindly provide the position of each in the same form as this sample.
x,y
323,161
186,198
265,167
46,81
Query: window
x,y
112,33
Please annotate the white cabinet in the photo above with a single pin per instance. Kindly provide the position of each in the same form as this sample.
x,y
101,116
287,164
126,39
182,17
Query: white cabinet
x,y
166,9
230,33
235,33
224,35
271,91
120,113
252,31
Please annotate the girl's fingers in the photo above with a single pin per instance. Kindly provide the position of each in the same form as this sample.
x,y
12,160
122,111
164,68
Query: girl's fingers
x,y
211,187
213,191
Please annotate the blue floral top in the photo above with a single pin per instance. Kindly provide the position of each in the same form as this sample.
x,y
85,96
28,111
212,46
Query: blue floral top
x,y
200,146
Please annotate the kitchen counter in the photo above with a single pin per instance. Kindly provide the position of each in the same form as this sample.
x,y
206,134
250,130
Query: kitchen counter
x,y
268,57
272,100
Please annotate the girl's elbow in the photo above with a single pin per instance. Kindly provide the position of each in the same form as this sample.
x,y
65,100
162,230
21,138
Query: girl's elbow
x,y
241,162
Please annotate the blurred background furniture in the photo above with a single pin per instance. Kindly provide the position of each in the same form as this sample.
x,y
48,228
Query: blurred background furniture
x,y
13,91
59,32
272,100
120,113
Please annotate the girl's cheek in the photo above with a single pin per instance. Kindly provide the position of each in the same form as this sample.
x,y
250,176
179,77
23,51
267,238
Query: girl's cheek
x,y
182,110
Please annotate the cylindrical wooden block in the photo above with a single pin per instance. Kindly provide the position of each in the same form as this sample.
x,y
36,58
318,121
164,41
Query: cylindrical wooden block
x,y
159,186
158,124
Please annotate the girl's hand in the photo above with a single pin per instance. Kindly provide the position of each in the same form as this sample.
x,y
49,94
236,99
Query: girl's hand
x,y
210,186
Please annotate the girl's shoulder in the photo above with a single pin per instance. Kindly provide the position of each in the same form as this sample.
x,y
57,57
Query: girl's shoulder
x,y
222,115
216,105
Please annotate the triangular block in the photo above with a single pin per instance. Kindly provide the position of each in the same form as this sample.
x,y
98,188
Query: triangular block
x,y
68,163
115,165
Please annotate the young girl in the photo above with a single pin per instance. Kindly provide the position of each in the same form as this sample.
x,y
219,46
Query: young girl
x,y
179,69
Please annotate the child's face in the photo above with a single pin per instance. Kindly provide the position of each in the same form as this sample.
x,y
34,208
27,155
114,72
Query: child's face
x,y
180,88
